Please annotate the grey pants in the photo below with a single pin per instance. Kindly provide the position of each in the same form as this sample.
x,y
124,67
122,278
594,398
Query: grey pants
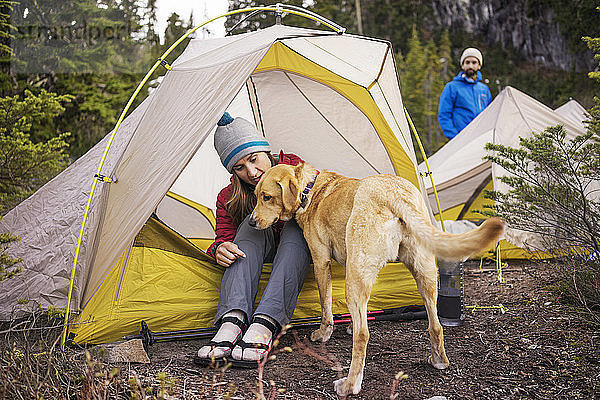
x,y
291,260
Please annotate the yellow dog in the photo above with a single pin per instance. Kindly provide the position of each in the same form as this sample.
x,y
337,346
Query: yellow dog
x,y
363,224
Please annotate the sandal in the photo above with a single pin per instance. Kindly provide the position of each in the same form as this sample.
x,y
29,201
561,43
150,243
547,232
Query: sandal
x,y
221,361
244,345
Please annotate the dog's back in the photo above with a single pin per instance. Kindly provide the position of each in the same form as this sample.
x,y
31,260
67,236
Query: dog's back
x,y
380,193
391,206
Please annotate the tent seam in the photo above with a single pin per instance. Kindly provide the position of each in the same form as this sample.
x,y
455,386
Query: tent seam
x,y
333,55
255,98
330,124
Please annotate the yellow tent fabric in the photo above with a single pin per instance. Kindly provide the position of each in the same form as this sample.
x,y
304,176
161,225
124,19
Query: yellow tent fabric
x,y
172,285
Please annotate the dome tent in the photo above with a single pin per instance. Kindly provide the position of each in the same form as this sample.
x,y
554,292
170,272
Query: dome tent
x,y
574,112
331,98
461,175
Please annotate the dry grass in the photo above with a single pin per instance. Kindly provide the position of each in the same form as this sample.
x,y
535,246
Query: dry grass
x,y
579,285
31,363
33,366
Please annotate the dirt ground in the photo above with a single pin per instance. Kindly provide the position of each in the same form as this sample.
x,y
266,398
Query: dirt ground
x,y
535,349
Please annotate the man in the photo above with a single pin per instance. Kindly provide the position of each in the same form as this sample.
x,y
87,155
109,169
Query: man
x,y
465,96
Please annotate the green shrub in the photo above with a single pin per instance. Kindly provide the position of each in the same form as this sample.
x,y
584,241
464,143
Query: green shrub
x,y
554,192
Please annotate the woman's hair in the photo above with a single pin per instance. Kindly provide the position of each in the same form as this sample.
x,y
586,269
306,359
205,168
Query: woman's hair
x,y
242,199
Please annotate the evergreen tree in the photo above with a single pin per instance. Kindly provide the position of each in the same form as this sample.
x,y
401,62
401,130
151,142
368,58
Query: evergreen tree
x,y
432,88
174,30
395,19
74,36
191,24
378,18
412,80
445,53
7,263
445,74
152,37
422,78
593,124
94,110
341,12
25,165
89,48
6,28
7,31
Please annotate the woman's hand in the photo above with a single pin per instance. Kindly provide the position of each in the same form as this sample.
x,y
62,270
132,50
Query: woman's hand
x,y
227,253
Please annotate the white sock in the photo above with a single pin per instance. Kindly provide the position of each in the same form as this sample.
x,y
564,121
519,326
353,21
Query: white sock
x,y
256,333
229,332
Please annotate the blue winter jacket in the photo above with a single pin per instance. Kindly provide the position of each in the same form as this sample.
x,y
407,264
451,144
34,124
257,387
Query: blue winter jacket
x,y
461,101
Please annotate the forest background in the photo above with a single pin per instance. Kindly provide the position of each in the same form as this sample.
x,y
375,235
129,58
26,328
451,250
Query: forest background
x,y
68,67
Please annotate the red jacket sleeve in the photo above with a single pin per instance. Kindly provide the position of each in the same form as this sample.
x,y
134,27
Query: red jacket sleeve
x,y
225,228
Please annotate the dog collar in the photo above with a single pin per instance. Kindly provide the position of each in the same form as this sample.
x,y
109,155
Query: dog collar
x,y
309,185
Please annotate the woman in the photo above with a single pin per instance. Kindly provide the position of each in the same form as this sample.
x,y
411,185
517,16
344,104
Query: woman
x,y
243,250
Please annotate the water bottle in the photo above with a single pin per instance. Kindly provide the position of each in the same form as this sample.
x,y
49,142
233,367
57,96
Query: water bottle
x,y
451,304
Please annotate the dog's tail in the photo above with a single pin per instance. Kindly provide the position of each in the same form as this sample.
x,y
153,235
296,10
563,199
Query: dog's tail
x,y
449,246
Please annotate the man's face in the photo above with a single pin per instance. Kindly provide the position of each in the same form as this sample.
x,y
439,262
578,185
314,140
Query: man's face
x,y
471,65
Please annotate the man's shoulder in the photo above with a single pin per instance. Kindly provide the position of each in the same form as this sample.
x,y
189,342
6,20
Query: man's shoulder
x,y
453,86
458,80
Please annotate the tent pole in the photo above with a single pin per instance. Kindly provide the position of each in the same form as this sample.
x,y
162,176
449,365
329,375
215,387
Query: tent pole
x,y
278,8
437,199
390,314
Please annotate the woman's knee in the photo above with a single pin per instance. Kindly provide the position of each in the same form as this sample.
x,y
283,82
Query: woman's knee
x,y
248,234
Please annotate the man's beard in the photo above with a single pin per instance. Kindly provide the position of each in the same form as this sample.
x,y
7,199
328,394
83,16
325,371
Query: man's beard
x,y
471,73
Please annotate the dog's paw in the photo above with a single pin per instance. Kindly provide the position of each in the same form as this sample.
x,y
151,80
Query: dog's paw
x,y
323,333
342,387
438,364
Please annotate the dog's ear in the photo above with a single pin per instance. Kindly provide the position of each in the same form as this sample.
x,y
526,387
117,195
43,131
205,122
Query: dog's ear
x,y
299,171
289,193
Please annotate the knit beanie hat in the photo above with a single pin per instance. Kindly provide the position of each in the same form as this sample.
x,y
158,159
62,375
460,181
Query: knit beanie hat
x,y
235,139
471,52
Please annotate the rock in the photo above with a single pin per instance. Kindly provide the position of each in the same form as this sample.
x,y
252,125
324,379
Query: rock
x,y
131,351
529,28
